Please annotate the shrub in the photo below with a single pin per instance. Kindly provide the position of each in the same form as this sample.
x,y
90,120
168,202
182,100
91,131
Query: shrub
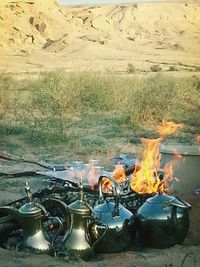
x,y
130,68
172,68
164,98
155,68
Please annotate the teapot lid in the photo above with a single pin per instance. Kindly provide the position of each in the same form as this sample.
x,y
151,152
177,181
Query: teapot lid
x,y
107,207
162,198
80,206
29,209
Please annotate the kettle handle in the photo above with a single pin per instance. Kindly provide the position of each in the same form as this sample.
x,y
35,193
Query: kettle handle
x,y
116,190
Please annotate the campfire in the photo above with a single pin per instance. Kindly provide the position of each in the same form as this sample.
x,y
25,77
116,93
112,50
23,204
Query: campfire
x,y
145,178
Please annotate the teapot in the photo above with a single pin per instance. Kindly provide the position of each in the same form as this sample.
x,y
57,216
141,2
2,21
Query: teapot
x,y
163,221
29,217
120,221
77,240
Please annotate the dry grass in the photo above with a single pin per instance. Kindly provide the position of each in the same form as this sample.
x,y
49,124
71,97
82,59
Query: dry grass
x,y
90,112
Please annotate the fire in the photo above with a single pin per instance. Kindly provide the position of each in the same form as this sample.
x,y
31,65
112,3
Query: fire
x,y
118,174
147,180
167,128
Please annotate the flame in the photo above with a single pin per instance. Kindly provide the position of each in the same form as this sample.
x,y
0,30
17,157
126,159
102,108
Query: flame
x,y
118,174
147,180
167,128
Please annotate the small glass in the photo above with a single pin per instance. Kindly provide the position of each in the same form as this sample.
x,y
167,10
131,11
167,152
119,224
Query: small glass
x,y
94,162
93,177
76,170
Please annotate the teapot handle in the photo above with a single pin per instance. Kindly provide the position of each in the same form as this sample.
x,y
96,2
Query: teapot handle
x,y
94,220
59,229
116,191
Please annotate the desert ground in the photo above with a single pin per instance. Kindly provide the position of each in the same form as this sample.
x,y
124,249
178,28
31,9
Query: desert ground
x,y
38,36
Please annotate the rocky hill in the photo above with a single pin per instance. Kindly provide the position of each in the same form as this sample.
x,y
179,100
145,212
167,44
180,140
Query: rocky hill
x,y
103,32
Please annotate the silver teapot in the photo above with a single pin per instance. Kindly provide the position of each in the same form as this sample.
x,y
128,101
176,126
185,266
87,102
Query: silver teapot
x,y
120,221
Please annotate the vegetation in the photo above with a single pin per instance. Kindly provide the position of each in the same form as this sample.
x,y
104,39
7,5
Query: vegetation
x,y
92,112
155,68
130,68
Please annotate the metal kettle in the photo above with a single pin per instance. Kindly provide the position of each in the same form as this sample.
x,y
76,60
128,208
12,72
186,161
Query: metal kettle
x,y
120,221
29,217
77,240
163,221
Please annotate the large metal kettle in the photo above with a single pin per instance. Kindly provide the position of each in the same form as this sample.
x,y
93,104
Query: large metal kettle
x,y
78,215
163,221
29,217
120,221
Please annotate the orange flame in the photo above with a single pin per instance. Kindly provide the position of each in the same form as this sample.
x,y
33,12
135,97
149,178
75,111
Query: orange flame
x,y
118,174
146,180
167,128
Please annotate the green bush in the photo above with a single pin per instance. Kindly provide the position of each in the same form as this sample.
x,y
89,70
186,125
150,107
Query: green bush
x,y
130,68
172,68
164,98
155,68
51,109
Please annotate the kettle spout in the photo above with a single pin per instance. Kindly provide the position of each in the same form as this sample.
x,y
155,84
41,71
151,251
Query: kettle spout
x,y
9,210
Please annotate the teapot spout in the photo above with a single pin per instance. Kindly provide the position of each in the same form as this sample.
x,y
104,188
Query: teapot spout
x,y
59,204
9,210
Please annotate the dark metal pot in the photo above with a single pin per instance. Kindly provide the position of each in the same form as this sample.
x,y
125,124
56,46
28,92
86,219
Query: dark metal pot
x,y
120,221
163,221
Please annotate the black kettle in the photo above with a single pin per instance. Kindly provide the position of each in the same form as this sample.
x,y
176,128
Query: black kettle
x,y
163,221
120,221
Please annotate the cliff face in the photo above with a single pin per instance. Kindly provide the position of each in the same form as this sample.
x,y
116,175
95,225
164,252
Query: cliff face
x,y
39,24
97,31
28,24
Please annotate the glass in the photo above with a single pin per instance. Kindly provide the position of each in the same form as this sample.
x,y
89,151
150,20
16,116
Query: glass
x,y
93,177
94,162
76,171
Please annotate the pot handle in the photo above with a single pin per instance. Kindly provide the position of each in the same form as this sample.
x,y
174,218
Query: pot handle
x,y
116,191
